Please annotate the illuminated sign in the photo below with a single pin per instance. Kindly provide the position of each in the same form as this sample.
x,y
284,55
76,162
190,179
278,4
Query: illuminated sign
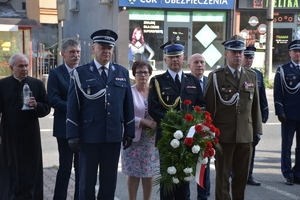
x,y
188,4
263,4
253,21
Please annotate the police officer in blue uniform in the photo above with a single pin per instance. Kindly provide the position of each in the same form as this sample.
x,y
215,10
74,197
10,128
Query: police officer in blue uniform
x,y
100,115
168,91
247,62
287,109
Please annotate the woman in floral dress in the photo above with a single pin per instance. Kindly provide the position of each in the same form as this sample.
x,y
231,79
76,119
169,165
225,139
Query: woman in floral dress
x,y
140,161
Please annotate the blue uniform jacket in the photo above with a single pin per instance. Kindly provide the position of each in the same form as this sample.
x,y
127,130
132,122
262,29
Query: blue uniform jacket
x,y
93,120
263,102
286,96
57,88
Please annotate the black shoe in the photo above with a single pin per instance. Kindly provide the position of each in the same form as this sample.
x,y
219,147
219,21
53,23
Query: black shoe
x,y
296,180
251,181
289,181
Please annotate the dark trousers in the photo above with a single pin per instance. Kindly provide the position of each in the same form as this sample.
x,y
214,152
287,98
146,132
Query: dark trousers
x,y
251,165
66,156
180,193
287,134
104,156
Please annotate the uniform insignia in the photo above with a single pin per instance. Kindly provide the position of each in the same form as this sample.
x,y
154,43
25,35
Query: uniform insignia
x,y
294,77
113,68
193,87
89,80
120,79
246,84
91,68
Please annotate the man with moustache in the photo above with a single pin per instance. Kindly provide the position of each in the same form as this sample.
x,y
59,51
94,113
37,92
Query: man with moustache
x,y
58,86
287,109
232,99
197,65
247,62
100,115
21,164
168,91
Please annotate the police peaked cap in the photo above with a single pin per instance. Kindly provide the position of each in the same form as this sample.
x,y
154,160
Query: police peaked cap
x,y
105,37
173,48
235,43
294,45
249,52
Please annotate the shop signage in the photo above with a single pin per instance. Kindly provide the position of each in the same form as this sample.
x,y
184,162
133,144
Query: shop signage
x,y
211,55
199,16
262,28
263,4
253,21
282,39
185,4
155,15
173,16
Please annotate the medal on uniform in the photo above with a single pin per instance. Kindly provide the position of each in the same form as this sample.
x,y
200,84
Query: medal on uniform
x,y
88,91
251,96
167,98
291,82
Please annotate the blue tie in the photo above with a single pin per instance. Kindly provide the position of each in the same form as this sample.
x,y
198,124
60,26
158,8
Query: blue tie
x,y
103,74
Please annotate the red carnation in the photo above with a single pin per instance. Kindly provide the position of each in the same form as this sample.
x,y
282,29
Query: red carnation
x,y
208,118
198,128
189,141
216,141
217,132
212,128
198,109
206,154
211,152
187,102
188,117
207,113
208,145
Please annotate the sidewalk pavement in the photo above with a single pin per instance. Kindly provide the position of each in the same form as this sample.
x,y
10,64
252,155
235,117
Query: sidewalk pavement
x,y
49,184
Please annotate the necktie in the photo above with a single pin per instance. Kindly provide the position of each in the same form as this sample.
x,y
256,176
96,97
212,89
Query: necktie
x,y
201,85
103,74
236,75
177,81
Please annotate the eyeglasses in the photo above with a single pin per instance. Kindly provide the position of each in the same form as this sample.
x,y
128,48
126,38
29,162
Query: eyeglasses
x,y
142,73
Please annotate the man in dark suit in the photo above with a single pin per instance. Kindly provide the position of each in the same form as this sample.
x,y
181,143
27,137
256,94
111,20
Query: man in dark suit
x,y
287,109
197,65
100,115
58,85
232,98
168,91
247,62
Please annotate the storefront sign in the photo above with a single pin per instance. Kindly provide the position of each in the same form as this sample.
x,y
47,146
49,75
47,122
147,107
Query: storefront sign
x,y
173,16
156,15
282,39
262,28
199,16
253,21
263,4
151,27
190,4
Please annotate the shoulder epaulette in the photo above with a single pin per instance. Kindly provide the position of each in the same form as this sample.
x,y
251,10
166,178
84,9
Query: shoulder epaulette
x,y
218,70
249,70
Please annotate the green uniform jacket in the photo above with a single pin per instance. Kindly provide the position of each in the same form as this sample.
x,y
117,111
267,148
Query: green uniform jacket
x,y
237,122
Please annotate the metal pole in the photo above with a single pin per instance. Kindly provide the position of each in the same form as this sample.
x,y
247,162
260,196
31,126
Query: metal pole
x,y
59,58
269,41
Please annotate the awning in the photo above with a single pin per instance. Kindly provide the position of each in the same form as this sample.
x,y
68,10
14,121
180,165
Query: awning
x,y
21,23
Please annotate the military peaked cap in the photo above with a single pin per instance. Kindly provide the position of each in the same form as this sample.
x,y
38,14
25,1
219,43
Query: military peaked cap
x,y
173,48
294,45
249,52
105,37
235,43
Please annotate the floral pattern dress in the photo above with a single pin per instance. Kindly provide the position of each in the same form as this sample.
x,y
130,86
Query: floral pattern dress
x,y
141,158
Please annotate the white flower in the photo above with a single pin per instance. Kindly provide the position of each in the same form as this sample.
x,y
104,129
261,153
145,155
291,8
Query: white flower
x,y
196,149
188,178
172,170
178,134
175,143
188,170
175,180
202,161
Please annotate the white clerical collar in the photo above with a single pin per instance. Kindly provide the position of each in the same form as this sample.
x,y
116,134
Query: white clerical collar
x,y
173,74
98,65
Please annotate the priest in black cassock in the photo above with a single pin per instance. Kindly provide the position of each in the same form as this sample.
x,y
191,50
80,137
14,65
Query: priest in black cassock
x,y
21,168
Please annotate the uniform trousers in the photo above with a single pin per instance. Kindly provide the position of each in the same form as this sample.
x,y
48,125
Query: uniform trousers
x,y
234,157
288,130
251,164
66,156
102,156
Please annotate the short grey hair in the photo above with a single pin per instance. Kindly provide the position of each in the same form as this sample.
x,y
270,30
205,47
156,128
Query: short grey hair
x,y
12,60
67,43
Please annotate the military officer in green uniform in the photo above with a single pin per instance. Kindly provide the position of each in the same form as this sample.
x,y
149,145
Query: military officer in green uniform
x,y
170,90
232,99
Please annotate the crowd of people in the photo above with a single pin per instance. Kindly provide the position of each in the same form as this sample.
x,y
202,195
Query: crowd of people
x,y
99,116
